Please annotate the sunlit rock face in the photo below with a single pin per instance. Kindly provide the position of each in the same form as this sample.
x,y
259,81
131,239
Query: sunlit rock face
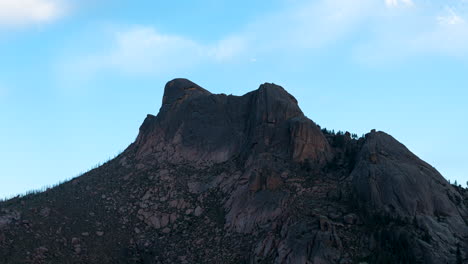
x,y
243,179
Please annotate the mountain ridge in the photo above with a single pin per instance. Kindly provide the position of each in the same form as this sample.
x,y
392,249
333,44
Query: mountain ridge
x,y
243,179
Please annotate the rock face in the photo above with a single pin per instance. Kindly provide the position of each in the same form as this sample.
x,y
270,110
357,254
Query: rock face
x,y
196,126
243,179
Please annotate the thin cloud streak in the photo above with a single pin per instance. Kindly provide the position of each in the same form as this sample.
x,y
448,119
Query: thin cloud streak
x,y
395,30
395,3
142,50
27,12
439,33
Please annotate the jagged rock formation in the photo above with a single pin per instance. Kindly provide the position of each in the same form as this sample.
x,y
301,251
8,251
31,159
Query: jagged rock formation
x,y
196,126
243,179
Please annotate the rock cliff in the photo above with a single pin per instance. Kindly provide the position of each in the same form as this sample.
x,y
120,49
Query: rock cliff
x,y
243,179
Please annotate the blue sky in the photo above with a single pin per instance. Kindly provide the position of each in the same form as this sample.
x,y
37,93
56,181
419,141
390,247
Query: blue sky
x,y
77,78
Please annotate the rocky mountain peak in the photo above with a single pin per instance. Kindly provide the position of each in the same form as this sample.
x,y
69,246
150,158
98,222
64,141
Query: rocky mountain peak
x,y
243,179
180,89
274,104
276,91
197,126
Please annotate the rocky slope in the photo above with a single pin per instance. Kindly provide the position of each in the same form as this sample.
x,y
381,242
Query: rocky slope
x,y
243,179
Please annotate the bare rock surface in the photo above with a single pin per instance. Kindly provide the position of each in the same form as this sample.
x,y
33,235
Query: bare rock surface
x,y
243,179
196,126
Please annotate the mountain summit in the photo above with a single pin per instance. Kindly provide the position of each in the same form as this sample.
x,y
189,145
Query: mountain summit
x,y
243,179
196,126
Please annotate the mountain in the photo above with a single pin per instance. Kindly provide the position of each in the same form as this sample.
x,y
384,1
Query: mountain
x,y
243,179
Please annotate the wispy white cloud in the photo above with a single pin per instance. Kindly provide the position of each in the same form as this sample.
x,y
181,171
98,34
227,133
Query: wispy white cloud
x,y
449,36
388,29
414,34
227,48
306,27
25,12
451,18
142,50
395,3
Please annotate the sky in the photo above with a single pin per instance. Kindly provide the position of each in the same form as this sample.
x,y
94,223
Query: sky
x,y
77,78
